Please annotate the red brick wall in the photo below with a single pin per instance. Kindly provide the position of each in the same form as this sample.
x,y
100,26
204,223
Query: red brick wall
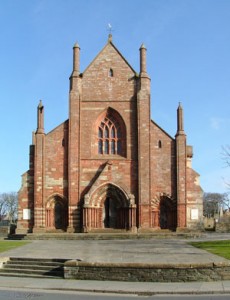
x,y
56,161
97,85
163,168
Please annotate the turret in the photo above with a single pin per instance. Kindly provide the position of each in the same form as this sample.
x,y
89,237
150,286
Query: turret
x,y
73,139
143,60
76,60
143,123
40,118
181,161
180,120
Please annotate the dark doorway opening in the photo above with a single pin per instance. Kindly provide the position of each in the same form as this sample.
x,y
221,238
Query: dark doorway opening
x,y
57,214
110,213
168,219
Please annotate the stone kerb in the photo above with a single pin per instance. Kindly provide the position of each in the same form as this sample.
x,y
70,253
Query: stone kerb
x,y
81,270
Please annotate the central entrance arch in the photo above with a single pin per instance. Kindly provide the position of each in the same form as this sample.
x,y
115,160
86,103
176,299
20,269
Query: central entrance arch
x,y
109,207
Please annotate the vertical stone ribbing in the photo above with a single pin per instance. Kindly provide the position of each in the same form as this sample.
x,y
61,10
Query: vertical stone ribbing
x,y
181,170
74,141
143,109
39,161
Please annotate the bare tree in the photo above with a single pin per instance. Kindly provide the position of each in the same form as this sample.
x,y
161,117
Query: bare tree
x,y
226,158
214,203
9,202
2,208
226,155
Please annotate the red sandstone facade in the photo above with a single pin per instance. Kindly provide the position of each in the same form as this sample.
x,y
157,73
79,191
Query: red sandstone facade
x,y
109,165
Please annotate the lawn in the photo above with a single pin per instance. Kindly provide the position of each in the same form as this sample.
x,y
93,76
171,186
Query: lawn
x,y
8,245
221,248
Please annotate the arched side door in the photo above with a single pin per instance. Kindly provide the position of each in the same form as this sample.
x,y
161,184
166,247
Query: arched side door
x,y
57,214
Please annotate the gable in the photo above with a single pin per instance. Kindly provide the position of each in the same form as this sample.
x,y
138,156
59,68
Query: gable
x,y
109,77
157,132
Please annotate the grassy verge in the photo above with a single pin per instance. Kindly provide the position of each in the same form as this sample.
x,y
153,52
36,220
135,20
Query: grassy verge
x,y
8,245
221,248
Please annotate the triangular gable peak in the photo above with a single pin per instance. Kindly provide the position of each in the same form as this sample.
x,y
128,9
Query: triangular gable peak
x,y
108,44
108,77
162,130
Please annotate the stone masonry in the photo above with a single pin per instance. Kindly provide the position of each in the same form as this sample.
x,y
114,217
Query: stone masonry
x,y
109,166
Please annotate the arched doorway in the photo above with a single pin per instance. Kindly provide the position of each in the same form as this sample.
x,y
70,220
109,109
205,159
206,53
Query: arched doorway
x,y
167,216
56,214
109,207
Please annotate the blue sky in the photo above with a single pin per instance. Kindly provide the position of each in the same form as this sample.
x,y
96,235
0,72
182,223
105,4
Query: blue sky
x,y
188,60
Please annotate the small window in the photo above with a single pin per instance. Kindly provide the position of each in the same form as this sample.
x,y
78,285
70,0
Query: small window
x,y
160,144
111,73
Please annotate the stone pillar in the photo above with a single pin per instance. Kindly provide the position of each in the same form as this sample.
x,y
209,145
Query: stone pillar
x,y
74,143
132,218
86,218
39,176
143,121
181,170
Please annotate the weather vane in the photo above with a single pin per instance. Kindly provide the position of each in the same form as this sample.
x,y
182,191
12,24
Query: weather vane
x,y
109,28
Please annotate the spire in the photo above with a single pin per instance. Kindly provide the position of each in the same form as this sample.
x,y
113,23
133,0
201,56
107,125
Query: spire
x,y
180,120
76,59
40,118
143,59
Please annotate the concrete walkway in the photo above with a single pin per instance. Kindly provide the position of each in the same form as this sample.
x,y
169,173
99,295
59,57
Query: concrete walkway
x,y
140,288
172,251
154,251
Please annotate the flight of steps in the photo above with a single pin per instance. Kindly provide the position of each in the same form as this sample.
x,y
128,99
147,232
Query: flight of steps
x,y
106,235
32,267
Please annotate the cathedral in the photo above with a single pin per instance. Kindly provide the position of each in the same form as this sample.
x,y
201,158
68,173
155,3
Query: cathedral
x,y
109,166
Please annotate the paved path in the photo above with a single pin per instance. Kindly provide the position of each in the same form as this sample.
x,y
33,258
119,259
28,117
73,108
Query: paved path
x,y
160,251
144,251
140,288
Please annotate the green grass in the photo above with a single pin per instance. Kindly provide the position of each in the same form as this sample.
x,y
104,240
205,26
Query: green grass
x,y
221,248
8,245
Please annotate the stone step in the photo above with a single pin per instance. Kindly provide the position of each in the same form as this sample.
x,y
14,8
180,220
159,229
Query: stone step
x,y
22,275
106,235
33,271
33,267
38,260
30,267
45,264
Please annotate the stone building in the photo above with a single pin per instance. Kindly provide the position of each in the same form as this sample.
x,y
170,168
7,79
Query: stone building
x,y
109,166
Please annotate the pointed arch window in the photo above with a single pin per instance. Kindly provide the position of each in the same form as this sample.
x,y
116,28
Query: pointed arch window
x,y
110,137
